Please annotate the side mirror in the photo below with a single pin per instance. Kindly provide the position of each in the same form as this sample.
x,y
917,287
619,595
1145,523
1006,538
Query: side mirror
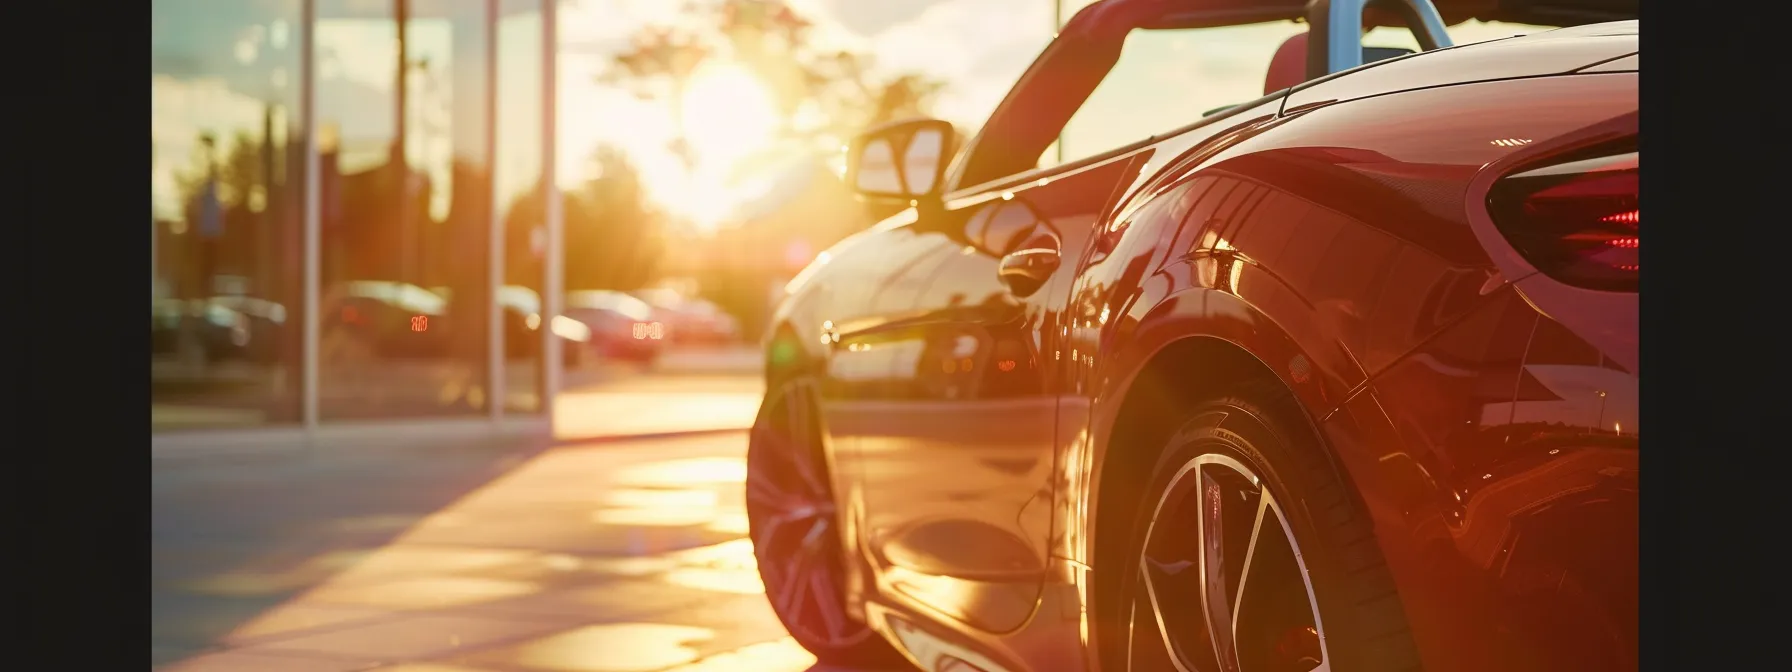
x,y
905,160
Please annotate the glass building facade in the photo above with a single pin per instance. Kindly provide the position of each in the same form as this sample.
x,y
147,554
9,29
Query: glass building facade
x,y
349,212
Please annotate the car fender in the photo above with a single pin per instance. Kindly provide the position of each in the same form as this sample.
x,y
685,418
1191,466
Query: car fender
x,y
1145,331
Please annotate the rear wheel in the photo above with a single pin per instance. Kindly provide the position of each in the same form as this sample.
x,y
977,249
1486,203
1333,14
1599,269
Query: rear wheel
x,y
795,533
1247,555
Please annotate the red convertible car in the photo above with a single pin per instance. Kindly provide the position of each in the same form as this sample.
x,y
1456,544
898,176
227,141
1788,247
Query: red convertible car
x,y
1342,378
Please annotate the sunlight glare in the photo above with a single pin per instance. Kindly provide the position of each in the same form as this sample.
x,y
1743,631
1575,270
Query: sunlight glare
x,y
727,115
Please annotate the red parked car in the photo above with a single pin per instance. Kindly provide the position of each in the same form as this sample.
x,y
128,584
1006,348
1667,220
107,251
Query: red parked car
x,y
689,320
622,326
1342,378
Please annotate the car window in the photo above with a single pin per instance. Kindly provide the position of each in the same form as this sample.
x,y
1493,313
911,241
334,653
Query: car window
x,y
1167,79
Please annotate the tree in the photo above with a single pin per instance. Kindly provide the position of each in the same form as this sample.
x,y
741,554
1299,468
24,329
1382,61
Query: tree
x,y
245,198
613,239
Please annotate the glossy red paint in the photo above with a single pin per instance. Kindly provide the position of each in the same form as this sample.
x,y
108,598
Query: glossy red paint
x,y
1484,415
1539,55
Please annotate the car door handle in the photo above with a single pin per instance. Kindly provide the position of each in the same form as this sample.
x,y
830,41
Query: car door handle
x,y
1027,269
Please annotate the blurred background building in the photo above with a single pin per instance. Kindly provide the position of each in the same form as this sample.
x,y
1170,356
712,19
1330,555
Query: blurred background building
x,y
348,214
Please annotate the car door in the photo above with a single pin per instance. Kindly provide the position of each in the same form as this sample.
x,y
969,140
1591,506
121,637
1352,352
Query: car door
x,y
864,291
871,284
956,468
958,479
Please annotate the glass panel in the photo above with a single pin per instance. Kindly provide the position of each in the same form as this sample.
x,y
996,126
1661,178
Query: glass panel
x,y
405,200
519,193
227,201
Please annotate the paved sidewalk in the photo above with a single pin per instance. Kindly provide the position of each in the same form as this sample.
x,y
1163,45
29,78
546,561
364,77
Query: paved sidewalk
x,y
738,359
628,557
657,404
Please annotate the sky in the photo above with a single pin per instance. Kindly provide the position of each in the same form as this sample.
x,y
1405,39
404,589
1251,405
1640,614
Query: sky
x,y
214,62
978,47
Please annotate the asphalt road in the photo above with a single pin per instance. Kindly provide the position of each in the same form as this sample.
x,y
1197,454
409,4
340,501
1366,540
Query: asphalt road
x,y
612,557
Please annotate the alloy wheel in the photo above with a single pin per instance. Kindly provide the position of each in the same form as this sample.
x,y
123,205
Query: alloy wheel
x,y
1221,583
792,521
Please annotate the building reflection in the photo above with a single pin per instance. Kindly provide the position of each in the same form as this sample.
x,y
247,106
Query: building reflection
x,y
227,192
411,185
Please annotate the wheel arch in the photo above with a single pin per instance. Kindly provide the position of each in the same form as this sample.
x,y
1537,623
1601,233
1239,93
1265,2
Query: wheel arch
x,y
1195,345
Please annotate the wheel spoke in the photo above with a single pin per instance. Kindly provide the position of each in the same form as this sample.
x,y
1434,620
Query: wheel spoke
x,y
792,584
1147,649
1153,645
1250,553
827,604
1212,533
1215,532
1170,571
812,540
765,492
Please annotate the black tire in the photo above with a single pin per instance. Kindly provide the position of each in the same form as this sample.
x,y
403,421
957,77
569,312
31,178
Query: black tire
x,y
1326,531
801,559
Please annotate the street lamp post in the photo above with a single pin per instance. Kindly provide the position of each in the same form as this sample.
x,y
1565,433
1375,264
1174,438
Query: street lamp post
x,y
555,259
397,160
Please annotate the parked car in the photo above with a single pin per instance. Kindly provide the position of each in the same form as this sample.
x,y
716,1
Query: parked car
x,y
265,323
218,333
690,320
1341,378
523,323
385,320
520,321
226,328
623,327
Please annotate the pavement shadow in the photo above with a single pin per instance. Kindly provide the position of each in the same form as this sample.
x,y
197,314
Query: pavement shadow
x,y
628,555
235,536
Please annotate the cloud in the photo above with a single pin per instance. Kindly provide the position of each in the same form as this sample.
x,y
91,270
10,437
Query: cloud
x,y
977,48
867,18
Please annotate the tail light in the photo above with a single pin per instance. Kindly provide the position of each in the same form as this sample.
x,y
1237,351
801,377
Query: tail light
x,y
1575,219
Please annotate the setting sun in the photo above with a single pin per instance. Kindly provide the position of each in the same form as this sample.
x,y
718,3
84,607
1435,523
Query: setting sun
x,y
726,116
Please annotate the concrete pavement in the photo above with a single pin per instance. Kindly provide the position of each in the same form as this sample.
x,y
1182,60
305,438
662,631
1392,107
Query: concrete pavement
x,y
657,404
619,557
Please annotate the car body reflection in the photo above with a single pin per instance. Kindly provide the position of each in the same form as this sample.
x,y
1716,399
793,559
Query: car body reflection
x,y
1004,365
